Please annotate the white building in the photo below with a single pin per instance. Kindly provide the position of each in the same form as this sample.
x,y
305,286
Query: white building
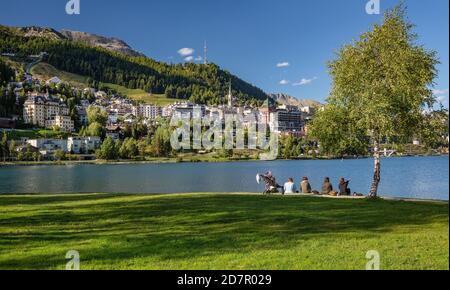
x,y
147,111
46,111
101,94
49,145
186,108
167,111
83,145
89,91
54,81
113,118
64,123
82,115
85,103
308,110
215,113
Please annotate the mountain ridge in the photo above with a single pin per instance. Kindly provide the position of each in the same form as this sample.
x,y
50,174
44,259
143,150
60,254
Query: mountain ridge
x,y
109,43
285,99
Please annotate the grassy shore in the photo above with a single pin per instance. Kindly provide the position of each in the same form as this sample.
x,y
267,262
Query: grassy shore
x,y
219,231
186,158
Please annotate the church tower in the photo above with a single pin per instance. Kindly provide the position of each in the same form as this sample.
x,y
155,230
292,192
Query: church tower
x,y
230,96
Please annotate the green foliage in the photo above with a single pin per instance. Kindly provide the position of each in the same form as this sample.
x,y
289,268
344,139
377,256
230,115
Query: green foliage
x,y
37,156
60,155
129,149
36,134
294,147
12,149
288,147
4,147
135,131
97,119
28,155
7,96
226,153
109,150
338,135
96,115
160,144
434,132
7,102
94,129
7,74
381,86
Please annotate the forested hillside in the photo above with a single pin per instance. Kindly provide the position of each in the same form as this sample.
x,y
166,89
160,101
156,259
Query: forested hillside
x,y
7,97
6,72
196,82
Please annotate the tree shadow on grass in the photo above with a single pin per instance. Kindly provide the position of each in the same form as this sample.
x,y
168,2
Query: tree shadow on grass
x,y
184,227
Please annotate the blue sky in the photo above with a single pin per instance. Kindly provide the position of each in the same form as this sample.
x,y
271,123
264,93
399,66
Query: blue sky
x,y
250,38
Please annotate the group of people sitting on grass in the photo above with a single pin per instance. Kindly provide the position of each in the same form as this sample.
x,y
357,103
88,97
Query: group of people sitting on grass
x,y
271,186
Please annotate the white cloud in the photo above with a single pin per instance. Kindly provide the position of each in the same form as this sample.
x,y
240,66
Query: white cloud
x,y
440,92
186,51
304,82
284,82
283,64
198,58
189,58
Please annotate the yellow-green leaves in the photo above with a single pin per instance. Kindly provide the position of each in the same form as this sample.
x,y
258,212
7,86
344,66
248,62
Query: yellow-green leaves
x,y
381,83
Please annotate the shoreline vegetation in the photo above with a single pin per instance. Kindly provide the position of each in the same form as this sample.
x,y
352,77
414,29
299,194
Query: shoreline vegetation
x,y
186,159
220,231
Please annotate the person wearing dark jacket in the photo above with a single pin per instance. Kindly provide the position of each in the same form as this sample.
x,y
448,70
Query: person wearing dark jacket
x,y
343,187
326,187
305,185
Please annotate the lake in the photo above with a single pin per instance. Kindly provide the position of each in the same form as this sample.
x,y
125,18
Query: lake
x,y
413,177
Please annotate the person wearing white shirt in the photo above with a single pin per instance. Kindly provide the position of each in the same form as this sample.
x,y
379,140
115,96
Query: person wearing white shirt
x,y
290,187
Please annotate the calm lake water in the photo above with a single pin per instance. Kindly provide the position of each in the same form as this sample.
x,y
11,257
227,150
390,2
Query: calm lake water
x,y
418,177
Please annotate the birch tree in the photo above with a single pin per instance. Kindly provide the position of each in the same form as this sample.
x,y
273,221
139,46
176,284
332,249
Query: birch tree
x,y
382,88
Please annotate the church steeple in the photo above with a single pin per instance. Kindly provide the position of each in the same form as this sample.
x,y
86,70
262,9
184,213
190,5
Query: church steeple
x,y
230,96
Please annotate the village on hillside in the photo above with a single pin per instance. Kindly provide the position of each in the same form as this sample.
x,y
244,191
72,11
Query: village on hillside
x,y
43,109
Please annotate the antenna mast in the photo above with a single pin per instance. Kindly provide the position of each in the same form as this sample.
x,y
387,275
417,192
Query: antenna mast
x,y
205,50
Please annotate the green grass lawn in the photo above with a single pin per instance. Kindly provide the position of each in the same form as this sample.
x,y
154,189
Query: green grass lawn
x,y
219,231
46,71
35,134
141,95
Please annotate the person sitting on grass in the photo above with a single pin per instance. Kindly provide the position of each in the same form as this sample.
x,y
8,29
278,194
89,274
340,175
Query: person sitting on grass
x,y
305,185
289,186
327,187
343,187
